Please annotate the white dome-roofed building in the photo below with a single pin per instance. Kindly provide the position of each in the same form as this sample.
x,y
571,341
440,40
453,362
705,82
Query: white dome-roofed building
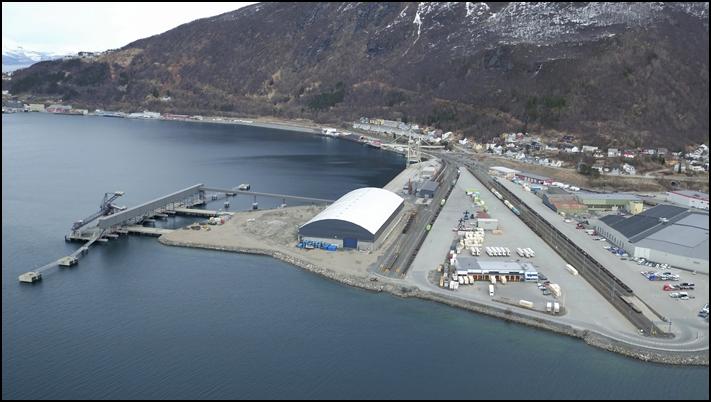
x,y
356,220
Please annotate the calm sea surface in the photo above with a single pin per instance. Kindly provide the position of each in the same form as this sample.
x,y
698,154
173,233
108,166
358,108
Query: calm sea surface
x,y
136,319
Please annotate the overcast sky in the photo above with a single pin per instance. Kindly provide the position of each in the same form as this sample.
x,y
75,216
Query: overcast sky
x,y
73,27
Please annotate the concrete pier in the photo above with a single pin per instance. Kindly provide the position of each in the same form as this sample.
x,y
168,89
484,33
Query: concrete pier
x,y
195,212
147,231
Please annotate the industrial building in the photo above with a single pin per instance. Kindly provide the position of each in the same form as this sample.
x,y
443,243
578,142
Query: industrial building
x,y
483,270
611,201
502,171
534,178
664,234
562,201
356,220
36,107
427,189
691,199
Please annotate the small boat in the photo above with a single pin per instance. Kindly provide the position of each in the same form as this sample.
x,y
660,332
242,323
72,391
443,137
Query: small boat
x,y
227,204
244,187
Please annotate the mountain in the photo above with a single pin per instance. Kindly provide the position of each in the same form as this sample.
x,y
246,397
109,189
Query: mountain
x,y
15,57
613,73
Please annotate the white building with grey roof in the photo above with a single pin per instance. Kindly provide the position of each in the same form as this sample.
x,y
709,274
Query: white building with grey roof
x,y
356,220
664,234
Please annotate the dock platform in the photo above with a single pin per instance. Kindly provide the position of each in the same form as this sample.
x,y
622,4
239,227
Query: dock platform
x,y
147,231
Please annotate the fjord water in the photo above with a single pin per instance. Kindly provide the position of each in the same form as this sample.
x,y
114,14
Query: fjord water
x,y
136,319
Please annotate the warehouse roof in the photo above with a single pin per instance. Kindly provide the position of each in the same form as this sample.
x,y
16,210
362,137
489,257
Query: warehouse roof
x,y
692,194
503,169
607,196
611,220
688,236
474,264
644,221
367,207
556,190
533,176
429,185
668,228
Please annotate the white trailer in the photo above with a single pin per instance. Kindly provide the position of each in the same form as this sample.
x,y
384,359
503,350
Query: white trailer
x,y
549,307
525,303
491,290
556,307
571,269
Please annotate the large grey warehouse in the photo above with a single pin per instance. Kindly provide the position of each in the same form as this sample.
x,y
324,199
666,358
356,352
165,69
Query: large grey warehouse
x,y
663,234
356,220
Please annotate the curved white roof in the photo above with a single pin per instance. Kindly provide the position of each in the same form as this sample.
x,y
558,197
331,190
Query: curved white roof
x,y
368,207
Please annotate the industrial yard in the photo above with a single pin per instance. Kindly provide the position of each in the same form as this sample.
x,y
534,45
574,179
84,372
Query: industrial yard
x,y
584,306
267,231
681,313
502,264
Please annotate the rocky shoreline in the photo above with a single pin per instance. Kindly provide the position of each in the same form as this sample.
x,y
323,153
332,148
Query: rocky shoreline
x,y
377,284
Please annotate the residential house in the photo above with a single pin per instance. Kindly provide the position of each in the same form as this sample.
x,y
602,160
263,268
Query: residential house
x,y
629,169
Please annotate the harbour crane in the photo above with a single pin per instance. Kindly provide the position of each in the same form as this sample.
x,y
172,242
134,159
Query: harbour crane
x,y
106,208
